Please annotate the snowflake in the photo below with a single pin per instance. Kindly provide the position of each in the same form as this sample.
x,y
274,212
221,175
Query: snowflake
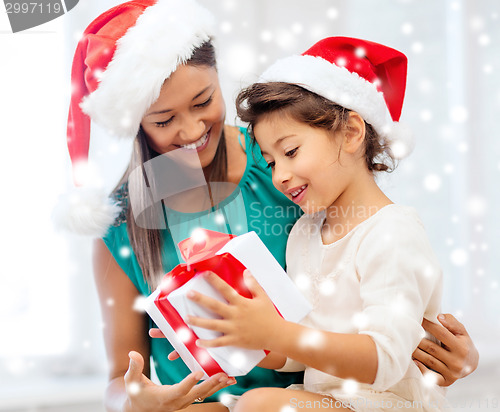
x,y
459,114
238,359
483,40
311,338
417,47
140,304
459,257
432,182
477,206
426,115
407,28
350,386
332,13
134,388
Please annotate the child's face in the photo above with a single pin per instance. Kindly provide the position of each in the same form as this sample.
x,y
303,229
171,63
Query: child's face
x,y
305,161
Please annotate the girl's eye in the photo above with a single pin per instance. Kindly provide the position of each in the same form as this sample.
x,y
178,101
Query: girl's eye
x,y
205,103
292,152
270,165
165,123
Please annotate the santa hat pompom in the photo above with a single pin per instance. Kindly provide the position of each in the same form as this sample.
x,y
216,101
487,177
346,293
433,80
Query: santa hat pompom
x,y
85,211
400,139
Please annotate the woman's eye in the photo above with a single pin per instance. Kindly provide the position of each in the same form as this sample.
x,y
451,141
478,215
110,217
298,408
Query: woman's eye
x,y
205,103
270,165
292,152
165,123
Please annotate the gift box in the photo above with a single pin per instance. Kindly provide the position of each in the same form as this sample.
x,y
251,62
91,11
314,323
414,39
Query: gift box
x,y
227,256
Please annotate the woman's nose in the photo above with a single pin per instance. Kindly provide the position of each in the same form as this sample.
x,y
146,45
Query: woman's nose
x,y
192,128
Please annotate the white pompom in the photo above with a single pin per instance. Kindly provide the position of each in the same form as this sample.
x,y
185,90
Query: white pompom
x,y
85,211
401,140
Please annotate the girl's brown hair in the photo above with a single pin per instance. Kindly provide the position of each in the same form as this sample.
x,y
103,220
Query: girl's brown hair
x,y
147,243
304,106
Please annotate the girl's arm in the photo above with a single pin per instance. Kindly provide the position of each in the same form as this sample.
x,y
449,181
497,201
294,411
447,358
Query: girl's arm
x,y
255,324
127,347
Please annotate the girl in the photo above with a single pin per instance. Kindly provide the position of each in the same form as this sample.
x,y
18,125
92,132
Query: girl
x,y
157,84
325,122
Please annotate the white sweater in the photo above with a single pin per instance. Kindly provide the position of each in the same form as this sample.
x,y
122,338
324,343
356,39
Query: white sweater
x,y
381,280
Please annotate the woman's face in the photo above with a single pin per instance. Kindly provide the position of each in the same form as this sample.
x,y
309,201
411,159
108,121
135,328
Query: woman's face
x,y
188,114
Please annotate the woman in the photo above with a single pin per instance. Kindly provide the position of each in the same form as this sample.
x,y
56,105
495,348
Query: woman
x,y
146,70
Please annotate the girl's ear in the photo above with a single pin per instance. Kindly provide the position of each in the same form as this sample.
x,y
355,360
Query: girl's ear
x,y
354,133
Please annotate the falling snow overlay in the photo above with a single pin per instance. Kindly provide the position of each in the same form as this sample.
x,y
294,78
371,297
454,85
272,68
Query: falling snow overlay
x,y
49,311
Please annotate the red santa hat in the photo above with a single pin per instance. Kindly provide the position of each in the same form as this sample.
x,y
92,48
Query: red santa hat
x,y
360,75
119,67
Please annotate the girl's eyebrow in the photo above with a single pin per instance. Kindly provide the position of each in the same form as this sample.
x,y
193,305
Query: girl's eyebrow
x,y
169,110
278,141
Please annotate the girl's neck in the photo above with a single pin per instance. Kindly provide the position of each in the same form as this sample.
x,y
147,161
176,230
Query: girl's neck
x,y
359,201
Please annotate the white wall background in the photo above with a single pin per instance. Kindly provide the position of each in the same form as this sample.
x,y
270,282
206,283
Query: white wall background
x,y
51,348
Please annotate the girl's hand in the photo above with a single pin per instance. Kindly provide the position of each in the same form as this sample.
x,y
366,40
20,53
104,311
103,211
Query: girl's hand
x,y
246,323
457,356
144,395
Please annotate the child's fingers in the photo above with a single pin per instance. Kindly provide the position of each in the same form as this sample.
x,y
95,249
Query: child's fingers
x,y
222,286
211,324
253,285
214,305
215,343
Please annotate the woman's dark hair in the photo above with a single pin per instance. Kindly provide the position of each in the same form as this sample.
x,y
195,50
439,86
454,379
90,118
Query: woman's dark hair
x,y
304,106
147,243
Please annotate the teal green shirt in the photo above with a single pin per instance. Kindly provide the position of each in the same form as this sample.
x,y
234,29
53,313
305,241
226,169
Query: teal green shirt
x,y
254,205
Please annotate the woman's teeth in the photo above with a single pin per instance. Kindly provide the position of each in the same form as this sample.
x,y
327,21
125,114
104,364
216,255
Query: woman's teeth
x,y
198,143
297,192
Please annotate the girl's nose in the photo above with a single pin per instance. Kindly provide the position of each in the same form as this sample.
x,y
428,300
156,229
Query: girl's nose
x,y
281,176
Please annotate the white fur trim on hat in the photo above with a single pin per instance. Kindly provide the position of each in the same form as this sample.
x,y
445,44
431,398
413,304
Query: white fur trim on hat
x,y
85,211
336,84
164,37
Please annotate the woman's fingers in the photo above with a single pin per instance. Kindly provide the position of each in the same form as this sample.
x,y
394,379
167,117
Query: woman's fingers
x,y
133,377
434,350
439,380
439,332
452,324
173,355
156,333
210,386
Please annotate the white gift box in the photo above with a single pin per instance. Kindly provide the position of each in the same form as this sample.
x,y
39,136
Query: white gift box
x,y
249,250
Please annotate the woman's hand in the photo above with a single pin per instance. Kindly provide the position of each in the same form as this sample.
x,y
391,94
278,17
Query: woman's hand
x,y
457,356
144,395
246,323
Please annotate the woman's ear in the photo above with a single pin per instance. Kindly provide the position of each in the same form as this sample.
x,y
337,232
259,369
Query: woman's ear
x,y
354,133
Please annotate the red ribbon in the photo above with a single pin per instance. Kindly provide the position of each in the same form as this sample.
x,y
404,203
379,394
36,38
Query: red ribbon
x,y
200,254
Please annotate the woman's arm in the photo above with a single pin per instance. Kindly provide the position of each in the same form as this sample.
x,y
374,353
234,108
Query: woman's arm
x,y
255,324
454,359
127,346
